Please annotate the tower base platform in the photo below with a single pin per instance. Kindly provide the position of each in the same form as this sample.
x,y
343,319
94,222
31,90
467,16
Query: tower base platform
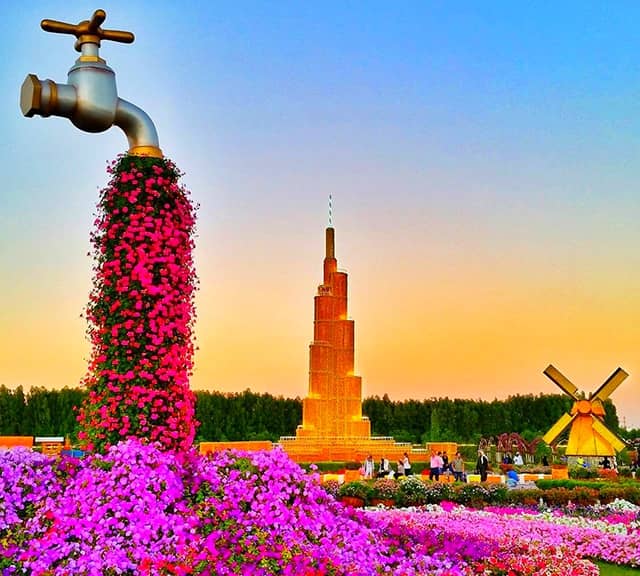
x,y
336,449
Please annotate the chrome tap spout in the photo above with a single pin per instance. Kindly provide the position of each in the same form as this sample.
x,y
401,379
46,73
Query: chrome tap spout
x,y
90,97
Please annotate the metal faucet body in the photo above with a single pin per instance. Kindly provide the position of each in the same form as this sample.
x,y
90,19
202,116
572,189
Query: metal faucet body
x,y
90,97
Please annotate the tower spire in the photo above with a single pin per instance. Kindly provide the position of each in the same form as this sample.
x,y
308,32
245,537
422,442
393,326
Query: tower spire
x,y
330,251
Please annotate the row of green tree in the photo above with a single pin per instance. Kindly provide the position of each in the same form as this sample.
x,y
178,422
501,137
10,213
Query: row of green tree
x,y
243,416
465,420
251,416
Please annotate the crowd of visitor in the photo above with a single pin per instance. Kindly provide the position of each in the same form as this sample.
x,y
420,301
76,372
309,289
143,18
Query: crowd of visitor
x,y
440,464
403,468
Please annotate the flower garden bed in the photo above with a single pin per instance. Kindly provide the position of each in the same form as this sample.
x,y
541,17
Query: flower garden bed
x,y
138,510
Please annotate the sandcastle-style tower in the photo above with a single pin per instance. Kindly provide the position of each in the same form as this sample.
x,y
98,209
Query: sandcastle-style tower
x,y
333,427
333,408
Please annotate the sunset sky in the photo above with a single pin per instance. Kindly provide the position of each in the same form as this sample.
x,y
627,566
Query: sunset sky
x,y
483,158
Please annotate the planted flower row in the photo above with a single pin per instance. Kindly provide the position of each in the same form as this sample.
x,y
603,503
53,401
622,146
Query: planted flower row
x,y
416,491
614,537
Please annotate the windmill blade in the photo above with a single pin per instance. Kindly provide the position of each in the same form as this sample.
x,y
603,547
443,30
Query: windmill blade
x,y
559,427
556,376
610,385
609,436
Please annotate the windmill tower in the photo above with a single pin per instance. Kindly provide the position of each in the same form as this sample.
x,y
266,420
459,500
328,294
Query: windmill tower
x,y
588,435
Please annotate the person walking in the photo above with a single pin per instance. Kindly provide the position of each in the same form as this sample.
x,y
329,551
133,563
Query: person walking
x,y
482,465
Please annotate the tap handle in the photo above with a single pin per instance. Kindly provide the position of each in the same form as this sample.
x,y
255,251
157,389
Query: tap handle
x,y
88,31
118,36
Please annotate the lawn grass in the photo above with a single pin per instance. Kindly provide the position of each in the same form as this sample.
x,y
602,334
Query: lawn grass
x,y
614,570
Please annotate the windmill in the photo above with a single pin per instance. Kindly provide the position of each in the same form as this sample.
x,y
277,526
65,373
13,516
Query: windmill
x,y
588,435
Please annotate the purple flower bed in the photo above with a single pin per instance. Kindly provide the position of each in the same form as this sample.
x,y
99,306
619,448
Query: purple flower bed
x,y
139,510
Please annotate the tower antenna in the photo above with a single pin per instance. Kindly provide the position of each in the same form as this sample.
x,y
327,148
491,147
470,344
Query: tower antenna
x,y
330,212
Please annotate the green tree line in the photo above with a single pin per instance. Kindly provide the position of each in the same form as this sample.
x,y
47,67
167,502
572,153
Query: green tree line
x,y
223,417
462,420
251,416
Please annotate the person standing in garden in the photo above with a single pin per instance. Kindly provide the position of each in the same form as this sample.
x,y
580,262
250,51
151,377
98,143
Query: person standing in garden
x,y
369,466
406,464
384,469
457,466
434,466
482,465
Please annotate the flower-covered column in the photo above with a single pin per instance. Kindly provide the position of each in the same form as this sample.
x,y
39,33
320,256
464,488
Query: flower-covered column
x,y
141,309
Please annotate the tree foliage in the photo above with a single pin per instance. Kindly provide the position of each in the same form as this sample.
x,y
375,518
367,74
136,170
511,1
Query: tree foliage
x,y
251,416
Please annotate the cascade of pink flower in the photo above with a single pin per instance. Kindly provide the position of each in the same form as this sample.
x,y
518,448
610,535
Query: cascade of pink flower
x,y
141,309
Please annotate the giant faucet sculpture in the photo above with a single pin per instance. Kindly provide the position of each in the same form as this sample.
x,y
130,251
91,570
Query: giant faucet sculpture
x,y
90,99
141,308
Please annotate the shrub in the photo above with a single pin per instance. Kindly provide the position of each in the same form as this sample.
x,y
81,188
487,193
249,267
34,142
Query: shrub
x,y
569,484
608,473
412,491
557,496
585,496
624,471
605,491
384,489
437,492
582,472
524,496
580,495
610,493
631,493
331,487
356,489
475,494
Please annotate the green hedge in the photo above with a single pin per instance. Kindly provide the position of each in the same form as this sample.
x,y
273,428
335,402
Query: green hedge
x,y
598,484
570,484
